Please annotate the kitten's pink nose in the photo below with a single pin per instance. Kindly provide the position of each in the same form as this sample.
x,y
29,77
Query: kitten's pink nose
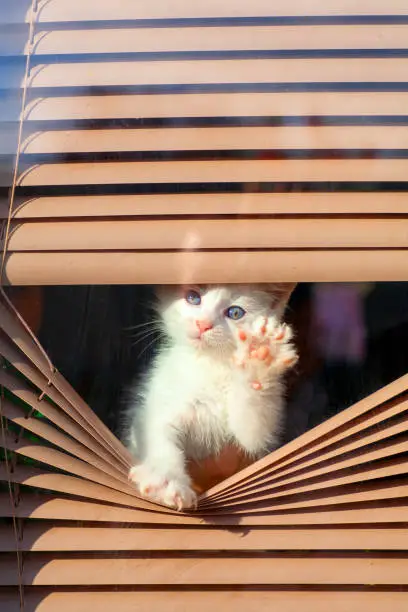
x,y
203,326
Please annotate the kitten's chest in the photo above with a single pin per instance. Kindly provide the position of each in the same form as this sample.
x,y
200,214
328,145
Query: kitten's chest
x,y
208,381
205,418
204,388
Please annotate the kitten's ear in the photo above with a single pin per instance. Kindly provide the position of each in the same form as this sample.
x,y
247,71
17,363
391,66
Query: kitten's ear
x,y
280,293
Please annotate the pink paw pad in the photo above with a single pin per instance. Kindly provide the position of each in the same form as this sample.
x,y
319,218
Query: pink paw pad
x,y
150,490
264,350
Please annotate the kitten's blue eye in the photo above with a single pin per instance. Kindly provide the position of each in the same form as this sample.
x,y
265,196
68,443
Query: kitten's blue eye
x,y
235,313
193,298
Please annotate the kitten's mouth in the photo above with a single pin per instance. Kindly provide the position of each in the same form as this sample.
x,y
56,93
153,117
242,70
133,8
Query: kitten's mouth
x,y
202,340
199,340
210,342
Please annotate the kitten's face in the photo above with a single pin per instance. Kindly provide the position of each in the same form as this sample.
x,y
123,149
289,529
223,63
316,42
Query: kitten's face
x,y
207,316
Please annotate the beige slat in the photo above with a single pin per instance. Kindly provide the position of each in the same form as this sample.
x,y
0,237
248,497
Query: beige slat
x,y
62,461
343,471
363,493
220,171
81,268
368,411
84,10
20,389
32,363
367,492
78,410
330,570
38,505
196,72
41,537
291,477
208,204
203,139
355,478
201,601
73,486
210,234
208,105
345,493
332,448
19,347
45,506
262,37
19,417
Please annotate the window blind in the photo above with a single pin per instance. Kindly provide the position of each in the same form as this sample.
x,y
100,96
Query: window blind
x,y
222,142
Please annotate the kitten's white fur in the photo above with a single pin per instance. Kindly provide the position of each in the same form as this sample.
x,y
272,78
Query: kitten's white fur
x,y
199,395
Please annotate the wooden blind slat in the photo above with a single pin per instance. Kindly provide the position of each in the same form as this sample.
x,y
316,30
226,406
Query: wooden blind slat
x,y
140,106
212,139
368,411
206,267
337,496
371,428
67,463
393,466
262,37
45,506
278,570
199,204
82,414
210,234
19,417
43,537
55,415
85,10
223,171
28,358
332,470
196,72
73,486
39,505
335,482
258,600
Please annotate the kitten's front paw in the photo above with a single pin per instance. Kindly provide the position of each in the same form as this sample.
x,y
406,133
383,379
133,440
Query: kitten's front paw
x,y
264,350
166,490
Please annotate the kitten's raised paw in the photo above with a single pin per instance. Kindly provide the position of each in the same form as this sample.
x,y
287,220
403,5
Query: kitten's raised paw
x,y
264,350
166,490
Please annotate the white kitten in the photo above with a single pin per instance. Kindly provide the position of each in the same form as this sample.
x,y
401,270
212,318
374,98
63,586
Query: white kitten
x,y
216,381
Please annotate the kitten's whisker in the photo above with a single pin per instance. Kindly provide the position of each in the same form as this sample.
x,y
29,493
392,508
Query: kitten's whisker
x,y
149,345
141,332
145,324
146,332
145,336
